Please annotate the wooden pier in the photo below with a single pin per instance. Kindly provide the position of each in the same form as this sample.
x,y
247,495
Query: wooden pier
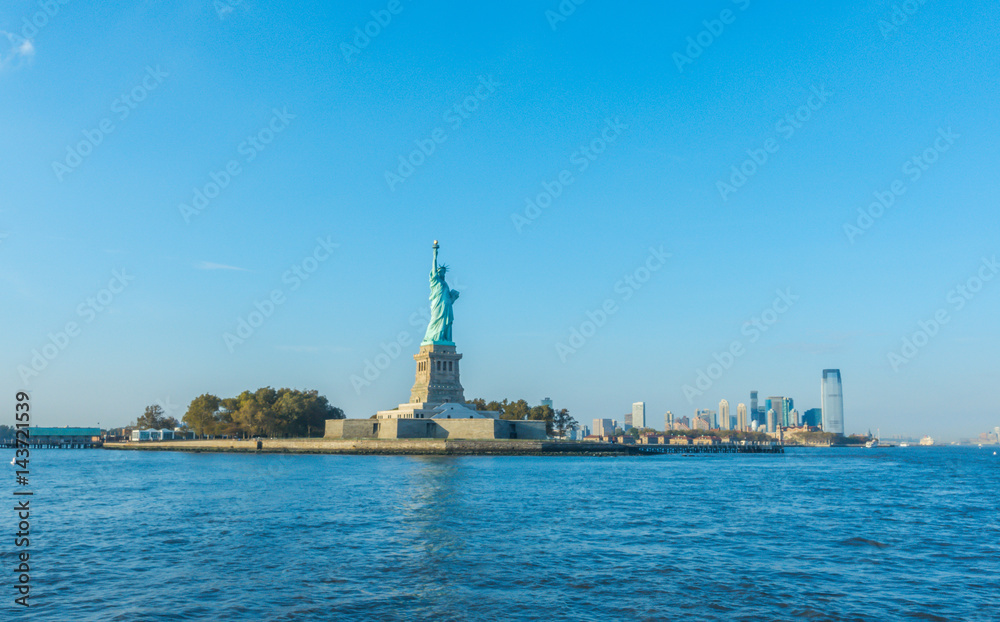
x,y
10,444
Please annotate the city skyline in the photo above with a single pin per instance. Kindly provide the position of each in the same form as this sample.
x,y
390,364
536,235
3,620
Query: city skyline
x,y
237,209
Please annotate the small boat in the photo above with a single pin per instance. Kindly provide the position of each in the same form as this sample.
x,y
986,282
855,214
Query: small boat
x,y
904,444
874,441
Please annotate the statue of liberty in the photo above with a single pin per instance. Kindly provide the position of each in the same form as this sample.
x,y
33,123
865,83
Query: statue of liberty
x,y
442,315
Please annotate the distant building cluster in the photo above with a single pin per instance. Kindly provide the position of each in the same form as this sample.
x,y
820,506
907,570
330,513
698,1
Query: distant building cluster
x,y
992,437
773,415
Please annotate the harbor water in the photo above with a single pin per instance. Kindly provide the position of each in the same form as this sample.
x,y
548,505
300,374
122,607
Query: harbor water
x,y
823,534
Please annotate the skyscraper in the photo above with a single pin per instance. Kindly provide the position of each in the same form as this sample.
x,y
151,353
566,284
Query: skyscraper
x,y
772,420
813,417
724,415
668,419
547,401
741,417
753,404
832,396
639,414
604,427
777,404
787,406
705,416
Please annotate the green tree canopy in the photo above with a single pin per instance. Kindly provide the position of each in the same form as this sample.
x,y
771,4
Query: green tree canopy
x,y
264,412
564,422
520,410
203,414
154,419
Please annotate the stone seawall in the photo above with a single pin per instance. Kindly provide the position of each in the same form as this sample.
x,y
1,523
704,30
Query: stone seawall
x,y
418,447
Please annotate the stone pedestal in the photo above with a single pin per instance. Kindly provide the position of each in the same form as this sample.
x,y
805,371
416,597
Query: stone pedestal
x,y
437,379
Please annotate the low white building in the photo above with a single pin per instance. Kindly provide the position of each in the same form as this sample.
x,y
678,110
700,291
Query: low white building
x,y
152,435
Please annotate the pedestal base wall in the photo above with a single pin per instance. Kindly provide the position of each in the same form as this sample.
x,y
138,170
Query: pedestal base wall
x,y
434,428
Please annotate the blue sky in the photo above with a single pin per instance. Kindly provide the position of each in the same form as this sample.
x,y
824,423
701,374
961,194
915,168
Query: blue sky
x,y
312,117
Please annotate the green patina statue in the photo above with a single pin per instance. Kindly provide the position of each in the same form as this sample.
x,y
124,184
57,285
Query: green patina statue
x,y
442,315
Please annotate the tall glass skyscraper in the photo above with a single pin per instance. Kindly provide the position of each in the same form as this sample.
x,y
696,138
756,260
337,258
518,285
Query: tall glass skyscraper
x,y
832,400
777,404
787,406
639,414
724,423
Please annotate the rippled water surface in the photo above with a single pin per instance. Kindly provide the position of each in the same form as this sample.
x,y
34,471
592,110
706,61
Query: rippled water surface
x,y
823,534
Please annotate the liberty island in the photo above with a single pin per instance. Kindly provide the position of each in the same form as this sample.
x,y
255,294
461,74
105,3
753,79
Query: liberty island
x,y
437,419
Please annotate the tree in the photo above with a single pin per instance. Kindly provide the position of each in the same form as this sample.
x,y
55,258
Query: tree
x,y
203,414
153,418
252,411
264,412
563,422
304,413
516,411
520,410
543,413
